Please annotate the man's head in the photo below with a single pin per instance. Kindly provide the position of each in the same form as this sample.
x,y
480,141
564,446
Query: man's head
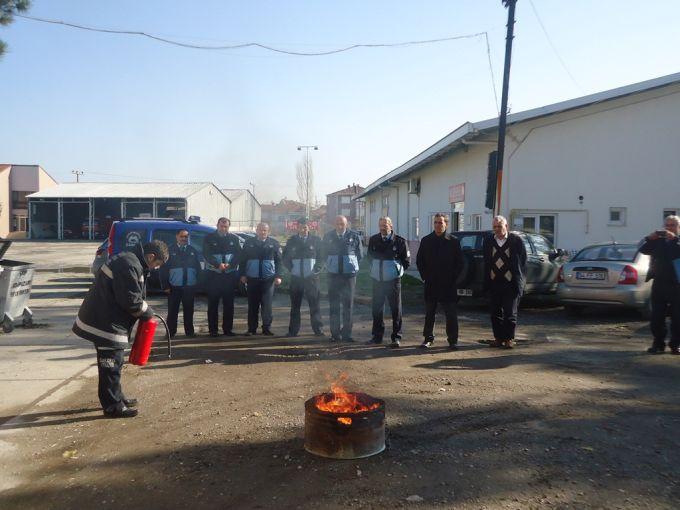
x,y
440,222
385,225
302,227
223,225
182,237
262,231
672,224
500,227
155,253
340,224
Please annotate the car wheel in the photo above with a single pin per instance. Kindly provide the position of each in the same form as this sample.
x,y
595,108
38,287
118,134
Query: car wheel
x,y
646,311
573,310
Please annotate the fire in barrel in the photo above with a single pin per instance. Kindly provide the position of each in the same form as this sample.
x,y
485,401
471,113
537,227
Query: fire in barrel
x,y
344,425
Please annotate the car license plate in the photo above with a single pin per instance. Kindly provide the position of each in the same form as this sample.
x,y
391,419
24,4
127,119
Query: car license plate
x,y
465,292
590,275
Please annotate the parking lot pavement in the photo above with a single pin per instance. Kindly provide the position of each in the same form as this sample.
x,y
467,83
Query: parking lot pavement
x,y
55,255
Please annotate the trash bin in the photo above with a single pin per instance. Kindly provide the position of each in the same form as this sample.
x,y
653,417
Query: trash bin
x,y
16,279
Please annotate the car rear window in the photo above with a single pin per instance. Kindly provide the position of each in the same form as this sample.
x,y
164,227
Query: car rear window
x,y
609,252
469,241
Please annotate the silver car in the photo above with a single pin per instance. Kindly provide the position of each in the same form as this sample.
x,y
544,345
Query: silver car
x,y
608,274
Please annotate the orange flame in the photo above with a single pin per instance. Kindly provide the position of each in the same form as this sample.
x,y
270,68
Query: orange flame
x,y
339,400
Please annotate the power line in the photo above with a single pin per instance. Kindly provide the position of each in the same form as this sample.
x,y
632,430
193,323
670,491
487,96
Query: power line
x,y
493,78
554,48
250,44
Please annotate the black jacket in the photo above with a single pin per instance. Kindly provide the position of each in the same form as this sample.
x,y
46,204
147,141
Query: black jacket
x,y
115,301
182,269
218,249
663,254
261,259
303,257
518,261
389,258
440,261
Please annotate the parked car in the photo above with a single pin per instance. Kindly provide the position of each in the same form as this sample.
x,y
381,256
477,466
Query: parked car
x,y
607,274
543,263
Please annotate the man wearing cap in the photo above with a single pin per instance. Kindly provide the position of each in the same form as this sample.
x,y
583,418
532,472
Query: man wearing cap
x,y
342,249
302,257
389,257
261,272
221,251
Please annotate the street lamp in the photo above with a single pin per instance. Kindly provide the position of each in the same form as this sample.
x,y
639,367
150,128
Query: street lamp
x,y
307,176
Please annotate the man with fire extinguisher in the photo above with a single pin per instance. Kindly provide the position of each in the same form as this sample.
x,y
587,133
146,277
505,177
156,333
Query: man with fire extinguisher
x,y
112,305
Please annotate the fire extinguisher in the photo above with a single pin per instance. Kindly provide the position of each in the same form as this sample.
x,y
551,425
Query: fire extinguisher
x,y
141,348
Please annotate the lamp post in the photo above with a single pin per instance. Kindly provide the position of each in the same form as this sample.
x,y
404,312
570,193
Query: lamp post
x,y
307,176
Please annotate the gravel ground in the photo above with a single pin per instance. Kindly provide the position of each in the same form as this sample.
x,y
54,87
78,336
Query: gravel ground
x,y
576,416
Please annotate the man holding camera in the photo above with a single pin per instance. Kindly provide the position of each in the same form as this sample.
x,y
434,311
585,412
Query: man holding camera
x,y
664,248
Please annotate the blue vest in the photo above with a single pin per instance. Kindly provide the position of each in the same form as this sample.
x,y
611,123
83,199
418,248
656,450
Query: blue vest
x,y
343,254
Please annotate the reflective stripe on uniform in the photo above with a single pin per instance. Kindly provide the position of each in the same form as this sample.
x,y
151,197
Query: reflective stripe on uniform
x,y
122,339
107,271
145,307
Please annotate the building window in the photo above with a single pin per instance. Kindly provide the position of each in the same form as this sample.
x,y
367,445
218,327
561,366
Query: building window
x,y
476,221
19,200
371,205
415,228
345,199
617,216
669,212
385,201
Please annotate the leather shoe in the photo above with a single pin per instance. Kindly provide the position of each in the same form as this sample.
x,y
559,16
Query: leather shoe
x,y
395,344
453,346
267,332
335,338
250,333
675,350
290,334
130,402
319,333
375,340
656,349
229,333
120,412
214,334
426,344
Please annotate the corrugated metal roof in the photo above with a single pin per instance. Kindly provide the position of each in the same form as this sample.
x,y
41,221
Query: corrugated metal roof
x,y
122,190
469,130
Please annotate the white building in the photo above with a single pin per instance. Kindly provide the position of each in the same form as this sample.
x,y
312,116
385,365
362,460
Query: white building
x,y
16,183
246,211
86,210
600,167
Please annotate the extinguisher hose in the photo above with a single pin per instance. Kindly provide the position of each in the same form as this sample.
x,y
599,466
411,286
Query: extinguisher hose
x,y
167,333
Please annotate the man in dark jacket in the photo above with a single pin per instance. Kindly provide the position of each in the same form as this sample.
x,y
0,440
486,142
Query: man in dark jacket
x,y
261,271
505,259
664,248
179,277
112,305
342,250
389,257
439,261
302,257
221,251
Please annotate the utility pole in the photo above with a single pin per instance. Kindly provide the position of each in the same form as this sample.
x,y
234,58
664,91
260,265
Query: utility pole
x,y
307,176
253,185
77,173
502,121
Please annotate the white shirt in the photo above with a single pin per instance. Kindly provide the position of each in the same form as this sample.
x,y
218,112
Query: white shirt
x,y
500,241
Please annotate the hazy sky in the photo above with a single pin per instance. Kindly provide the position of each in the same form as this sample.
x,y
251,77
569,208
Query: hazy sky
x,y
139,109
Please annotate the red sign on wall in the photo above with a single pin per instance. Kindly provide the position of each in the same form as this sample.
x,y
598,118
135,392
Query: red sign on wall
x,y
457,193
293,225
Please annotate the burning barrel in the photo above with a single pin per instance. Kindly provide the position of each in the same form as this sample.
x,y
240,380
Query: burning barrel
x,y
342,425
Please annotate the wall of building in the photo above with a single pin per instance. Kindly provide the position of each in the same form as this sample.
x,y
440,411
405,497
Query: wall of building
x,y
210,204
246,213
619,154
5,200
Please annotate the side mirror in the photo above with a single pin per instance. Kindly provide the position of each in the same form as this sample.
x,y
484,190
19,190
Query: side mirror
x,y
555,254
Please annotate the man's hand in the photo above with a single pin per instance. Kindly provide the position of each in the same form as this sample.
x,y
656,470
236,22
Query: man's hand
x,y
244,279
670,235
277,281
223,266
653,236
167,291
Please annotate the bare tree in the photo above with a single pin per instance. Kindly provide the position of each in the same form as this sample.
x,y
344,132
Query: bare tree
x,y
305,183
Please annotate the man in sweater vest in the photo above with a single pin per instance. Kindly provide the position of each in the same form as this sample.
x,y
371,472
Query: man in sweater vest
x,y
505,259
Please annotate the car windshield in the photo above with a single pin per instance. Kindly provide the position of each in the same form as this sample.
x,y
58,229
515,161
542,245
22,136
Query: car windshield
x,y
608,252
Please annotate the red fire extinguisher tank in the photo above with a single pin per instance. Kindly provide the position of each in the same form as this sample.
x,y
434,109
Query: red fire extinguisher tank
x,y
141,348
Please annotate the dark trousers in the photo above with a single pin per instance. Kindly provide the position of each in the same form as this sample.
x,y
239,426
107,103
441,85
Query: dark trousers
x,y
451,320
260,295
665,296
391,292
184,296
309,288
109,365
221,286
341,296
503,304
